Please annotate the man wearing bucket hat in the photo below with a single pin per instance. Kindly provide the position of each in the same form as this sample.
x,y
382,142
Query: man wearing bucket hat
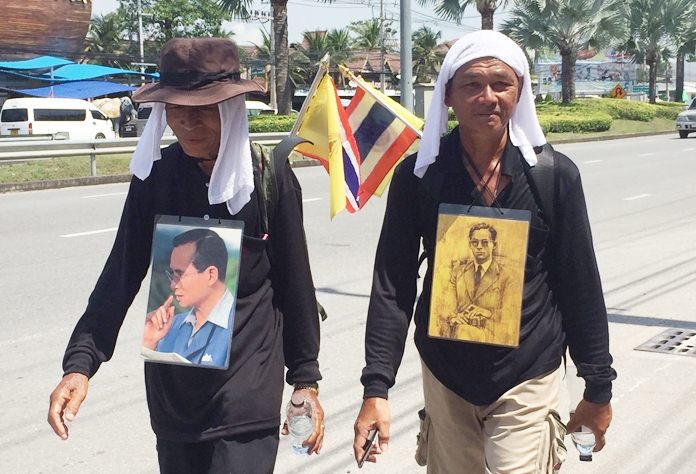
x,y
208,420
488,408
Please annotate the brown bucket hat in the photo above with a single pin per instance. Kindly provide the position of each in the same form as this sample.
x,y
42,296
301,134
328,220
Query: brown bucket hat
x,y
197,71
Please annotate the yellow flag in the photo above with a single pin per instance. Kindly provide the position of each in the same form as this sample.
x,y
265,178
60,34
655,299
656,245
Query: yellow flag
x,y
320,124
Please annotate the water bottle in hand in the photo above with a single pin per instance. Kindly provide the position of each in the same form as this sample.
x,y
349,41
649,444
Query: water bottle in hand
x,y
300,422
584,441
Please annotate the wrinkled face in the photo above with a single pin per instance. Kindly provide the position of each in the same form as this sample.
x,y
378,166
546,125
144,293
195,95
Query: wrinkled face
x,y
188,284
482,245
483,94
196,128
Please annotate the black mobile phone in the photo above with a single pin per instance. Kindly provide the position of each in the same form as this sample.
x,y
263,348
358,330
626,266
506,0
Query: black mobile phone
x,y
367,447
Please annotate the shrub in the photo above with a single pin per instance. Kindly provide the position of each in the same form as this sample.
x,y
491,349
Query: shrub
x,y
271,123
623,109
668,110
589,122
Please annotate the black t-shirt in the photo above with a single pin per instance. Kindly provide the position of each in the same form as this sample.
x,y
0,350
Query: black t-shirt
x,y
567,308
276,320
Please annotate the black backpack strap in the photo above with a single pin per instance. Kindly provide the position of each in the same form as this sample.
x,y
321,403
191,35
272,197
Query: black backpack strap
x,y
543,182
428,193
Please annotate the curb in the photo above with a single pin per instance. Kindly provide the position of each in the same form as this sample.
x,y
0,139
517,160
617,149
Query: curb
x,y
123,178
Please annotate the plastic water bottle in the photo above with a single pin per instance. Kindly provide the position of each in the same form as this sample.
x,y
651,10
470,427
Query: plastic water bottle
x,y
584,441
300,422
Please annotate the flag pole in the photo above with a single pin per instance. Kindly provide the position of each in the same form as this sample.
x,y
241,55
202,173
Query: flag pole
x,y
358,80
323,69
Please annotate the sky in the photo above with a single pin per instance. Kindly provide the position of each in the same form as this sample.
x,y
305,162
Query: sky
x,y
310,15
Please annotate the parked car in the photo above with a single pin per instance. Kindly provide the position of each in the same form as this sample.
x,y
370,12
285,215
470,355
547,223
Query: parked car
x,y
74,119
256,107
144,111
686,121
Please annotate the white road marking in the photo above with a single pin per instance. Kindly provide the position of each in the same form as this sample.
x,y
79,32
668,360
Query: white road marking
x,y
689,149
91,232
311,199
639,196
103,195
591,161
646,154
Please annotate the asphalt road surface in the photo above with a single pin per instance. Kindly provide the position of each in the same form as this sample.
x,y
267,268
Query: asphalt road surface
x,y
642,198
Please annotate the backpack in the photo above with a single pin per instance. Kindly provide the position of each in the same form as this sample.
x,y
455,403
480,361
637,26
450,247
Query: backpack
x,y
267,162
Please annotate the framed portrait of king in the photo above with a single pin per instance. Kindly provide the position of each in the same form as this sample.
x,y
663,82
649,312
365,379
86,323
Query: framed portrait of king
x,y
193,291
478,274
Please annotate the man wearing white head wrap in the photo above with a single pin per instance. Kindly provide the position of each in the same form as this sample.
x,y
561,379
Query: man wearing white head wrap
x,y
488,409
208,420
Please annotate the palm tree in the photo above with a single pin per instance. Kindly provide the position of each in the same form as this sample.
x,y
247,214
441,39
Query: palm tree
x,y
567,26
684,36
453,10
340,46
367,34
428,56
651,33
105,39
240,9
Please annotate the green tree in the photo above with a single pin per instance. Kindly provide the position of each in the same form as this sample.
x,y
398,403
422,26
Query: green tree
x,y
428,57
186,18
653,25
453,10
367,35
105,42
567,26
166,19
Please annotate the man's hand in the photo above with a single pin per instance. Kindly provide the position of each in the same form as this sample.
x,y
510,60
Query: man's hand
x,y
596,416
65,402
374,413
158,323
316,439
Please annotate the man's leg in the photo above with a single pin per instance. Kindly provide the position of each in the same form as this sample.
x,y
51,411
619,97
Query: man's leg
x,y
517,430
183,458
254,452
455,440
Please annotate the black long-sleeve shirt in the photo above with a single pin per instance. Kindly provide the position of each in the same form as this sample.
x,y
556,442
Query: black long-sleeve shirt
x,y
275,322
566,308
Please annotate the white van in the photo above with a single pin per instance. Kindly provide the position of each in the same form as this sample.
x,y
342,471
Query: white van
x,y
74,119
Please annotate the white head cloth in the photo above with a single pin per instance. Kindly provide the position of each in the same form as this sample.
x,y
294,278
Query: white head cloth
x,y
232,180
525,131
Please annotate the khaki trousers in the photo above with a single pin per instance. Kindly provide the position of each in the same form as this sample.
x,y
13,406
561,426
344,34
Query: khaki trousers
x,y
516,434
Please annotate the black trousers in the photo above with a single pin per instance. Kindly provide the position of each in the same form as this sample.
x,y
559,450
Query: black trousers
x,y
252,453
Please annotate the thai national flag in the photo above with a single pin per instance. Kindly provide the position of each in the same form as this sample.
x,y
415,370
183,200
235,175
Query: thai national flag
x,y
382,140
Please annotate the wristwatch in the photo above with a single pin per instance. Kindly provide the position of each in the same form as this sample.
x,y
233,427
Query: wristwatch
x,y
313,386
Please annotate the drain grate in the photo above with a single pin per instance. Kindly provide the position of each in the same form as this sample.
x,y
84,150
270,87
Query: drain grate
x,y
672,341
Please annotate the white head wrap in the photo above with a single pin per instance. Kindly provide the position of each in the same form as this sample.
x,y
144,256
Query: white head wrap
x,y
524,128
232,180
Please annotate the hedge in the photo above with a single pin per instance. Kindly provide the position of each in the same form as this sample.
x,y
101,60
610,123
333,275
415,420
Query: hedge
x,y
590,122
668,110
271,123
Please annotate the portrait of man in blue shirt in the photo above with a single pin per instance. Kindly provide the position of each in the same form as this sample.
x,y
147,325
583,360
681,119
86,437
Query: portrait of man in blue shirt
x,y
197,271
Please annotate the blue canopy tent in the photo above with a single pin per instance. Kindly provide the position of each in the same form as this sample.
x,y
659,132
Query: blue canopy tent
x,y
41,62
76,90
78,72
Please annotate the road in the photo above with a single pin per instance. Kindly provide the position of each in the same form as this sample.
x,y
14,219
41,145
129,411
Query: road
x,y
641,194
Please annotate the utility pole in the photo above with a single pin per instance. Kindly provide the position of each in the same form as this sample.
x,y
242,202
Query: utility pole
x,y
140,37
406,82
273,94
381,46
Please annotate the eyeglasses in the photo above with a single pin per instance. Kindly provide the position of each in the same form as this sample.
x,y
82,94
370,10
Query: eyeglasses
x,y
175,276
475,242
